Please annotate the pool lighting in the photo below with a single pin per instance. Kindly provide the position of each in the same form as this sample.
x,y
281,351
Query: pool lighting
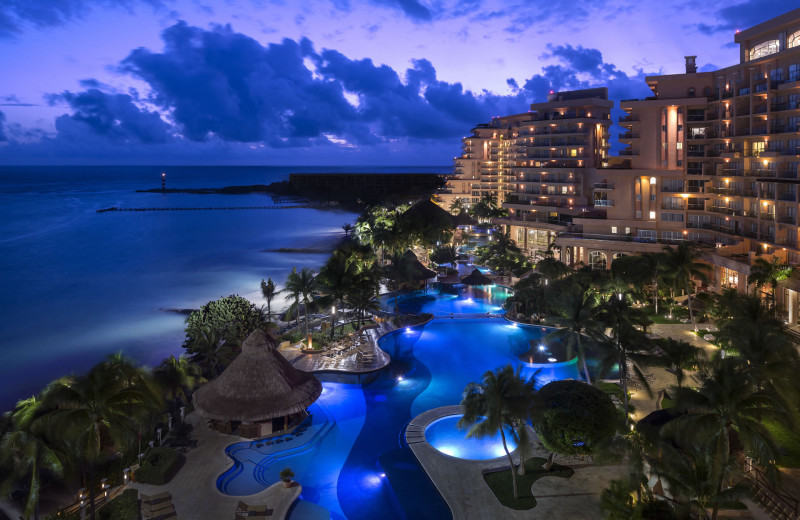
x,y
514,325
408,329
541,347
383,475
399,379
552,359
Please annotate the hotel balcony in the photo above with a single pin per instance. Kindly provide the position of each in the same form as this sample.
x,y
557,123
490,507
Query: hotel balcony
x,y
629,119
603,203
604,185
629,152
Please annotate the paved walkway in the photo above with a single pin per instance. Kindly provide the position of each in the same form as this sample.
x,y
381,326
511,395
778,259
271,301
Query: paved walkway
x,y
194,490
462,486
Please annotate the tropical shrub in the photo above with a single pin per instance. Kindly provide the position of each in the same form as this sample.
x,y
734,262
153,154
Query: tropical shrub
x,y
574,417
233,317
123,507
158,467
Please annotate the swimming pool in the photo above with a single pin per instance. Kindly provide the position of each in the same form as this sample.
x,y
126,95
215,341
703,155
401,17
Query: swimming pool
x,y
445,435
353,461
441,300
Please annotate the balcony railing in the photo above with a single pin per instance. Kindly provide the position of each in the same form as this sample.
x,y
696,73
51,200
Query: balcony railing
x,y
604,185
628,119
603,203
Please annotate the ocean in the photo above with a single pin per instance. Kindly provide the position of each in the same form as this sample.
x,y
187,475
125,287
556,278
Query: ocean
x,y
78,285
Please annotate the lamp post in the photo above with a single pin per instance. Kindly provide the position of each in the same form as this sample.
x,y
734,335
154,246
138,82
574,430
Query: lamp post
x,y
333,319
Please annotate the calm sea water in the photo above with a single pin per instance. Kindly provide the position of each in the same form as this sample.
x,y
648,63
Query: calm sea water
x,y
78,285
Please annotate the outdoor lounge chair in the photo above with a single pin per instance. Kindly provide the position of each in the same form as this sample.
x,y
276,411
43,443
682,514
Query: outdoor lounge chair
x,y
161,514
153,499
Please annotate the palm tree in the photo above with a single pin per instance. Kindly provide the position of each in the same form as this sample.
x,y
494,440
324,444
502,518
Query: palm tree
x,y
683,265
268,291
305,287
398,272
651,265
28,451
292,289
577,307
210,351
457,206
764,272
177,376
627,343
101,412
680,355
361,297
502,403
336,278
347,228
727,402
694,475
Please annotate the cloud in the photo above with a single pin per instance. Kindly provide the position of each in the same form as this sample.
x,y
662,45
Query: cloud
x,y
745,14
411,8
3,137
215,89
17,15
113,117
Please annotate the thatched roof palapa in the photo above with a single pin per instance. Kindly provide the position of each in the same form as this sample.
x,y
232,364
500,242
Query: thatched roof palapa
x,y
450,278
420,271
464,219
428,211
259,384
477,278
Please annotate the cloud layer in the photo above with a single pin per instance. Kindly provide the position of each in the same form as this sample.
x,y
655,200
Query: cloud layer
x,y
216,86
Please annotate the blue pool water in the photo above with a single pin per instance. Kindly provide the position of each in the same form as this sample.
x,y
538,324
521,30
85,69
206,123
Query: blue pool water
x,y
445,435
351,458
445,299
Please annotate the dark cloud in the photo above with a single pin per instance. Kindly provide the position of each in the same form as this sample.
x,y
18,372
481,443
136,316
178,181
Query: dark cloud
x,y
412,8
16,15
3,137
110,116
746,14
13,101
220,90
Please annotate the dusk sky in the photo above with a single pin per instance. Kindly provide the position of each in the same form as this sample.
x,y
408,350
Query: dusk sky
x,y
316,82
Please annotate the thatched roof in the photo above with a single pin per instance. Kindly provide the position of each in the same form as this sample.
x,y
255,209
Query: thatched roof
x,y
464,219
420,271
428,211
259,385
477,278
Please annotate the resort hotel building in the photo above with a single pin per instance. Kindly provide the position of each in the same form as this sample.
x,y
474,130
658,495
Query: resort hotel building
x,y
711,157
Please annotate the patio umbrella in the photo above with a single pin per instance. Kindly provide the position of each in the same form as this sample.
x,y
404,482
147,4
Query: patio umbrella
x,y
477,278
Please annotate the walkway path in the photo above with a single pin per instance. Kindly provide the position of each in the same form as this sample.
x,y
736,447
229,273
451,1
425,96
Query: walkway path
x,y
194,490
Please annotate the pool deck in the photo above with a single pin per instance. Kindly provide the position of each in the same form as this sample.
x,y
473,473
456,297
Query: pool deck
x,y
461,483
194,489
345,361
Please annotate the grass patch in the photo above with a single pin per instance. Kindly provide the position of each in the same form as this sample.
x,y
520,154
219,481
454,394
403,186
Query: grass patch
x,y
788,444
158,467
500,482
678,312
612,389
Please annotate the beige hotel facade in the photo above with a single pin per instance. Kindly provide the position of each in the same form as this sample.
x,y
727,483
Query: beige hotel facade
x,y
711,157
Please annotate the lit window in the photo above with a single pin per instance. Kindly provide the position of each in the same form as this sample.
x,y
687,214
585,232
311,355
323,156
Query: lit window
x,y
627,231
679,146
613,230
764,49
793,40
652,215
573,152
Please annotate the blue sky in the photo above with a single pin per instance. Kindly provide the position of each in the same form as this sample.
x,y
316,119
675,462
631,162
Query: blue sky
x,y
394,82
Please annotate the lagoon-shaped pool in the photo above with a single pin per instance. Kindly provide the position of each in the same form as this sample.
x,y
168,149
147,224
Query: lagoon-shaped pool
x,y
442,300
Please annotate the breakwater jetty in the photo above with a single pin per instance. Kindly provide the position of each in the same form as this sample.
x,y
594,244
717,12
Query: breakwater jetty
x,y
210,208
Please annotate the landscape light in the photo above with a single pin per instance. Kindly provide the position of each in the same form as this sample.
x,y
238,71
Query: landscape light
x,y
541,347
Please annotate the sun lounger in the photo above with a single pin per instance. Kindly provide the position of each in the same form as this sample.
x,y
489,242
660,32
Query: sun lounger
x,y
162,514
152,499
158,510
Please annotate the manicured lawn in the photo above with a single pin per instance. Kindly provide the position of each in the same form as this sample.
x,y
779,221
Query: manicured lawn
x,y
788,442
612,389
500,482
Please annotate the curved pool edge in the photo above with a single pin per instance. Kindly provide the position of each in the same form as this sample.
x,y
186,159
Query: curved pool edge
x,y
432,459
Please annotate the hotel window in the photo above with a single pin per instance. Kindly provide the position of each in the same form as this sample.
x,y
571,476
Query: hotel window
x,y
613,230
764,49
679,146
672,217
794,72
647,234
776,75
652,215
671,235
627,231
793,40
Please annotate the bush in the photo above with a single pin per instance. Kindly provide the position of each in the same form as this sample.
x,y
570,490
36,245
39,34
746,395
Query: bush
x,y
292,337
575,417
124,507
158,467
233,316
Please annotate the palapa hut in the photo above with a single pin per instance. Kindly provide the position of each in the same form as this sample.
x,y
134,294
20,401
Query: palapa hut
x,y
260,392
420,272
476,278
